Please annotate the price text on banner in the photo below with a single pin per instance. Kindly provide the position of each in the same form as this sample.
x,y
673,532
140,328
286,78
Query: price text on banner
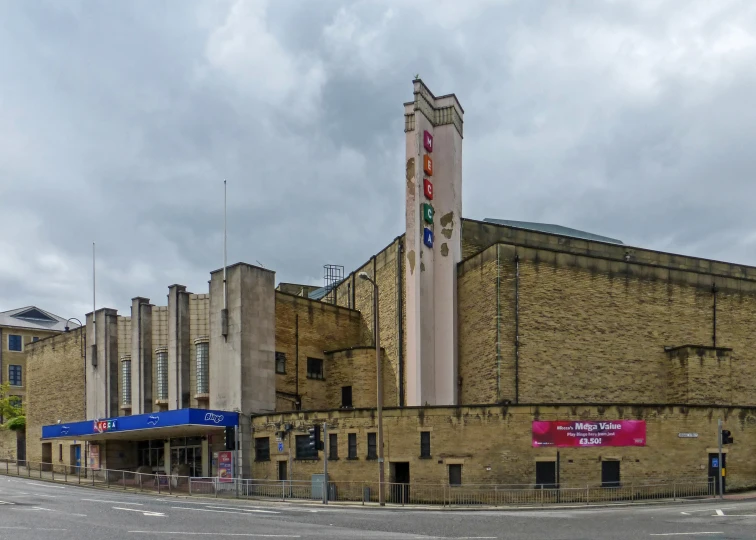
x,y
579,433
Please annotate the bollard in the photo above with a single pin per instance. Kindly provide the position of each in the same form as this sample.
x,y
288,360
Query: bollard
x,y
674,490
283,490
189,479
65,474
52,470
587,495
78,473
157,479
7,464
123,478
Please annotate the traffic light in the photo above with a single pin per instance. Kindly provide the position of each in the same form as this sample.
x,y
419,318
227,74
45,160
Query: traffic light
x,y
315,444
230,437
726,436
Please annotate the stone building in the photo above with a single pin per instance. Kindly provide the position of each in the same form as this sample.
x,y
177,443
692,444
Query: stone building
x,y
18,329
494,336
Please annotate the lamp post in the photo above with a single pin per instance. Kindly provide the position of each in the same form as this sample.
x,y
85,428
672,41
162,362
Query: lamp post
x,y
381,477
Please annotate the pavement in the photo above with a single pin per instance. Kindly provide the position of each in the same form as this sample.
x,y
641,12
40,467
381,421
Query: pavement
x,y
39,510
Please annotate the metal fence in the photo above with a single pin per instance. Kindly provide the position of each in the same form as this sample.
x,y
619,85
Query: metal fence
x,y
443,495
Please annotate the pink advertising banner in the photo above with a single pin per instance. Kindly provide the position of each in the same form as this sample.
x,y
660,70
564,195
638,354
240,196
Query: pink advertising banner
x,y
568,433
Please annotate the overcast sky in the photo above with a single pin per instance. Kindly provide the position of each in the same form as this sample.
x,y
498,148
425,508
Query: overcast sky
x,y
120,120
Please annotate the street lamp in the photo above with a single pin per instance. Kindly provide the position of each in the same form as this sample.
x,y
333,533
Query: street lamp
x,y
381,477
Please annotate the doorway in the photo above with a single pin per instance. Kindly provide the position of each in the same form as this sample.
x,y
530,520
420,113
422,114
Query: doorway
x,y
400,483
610,474
714,472
545,475
46,456
74,458
21,448
282,473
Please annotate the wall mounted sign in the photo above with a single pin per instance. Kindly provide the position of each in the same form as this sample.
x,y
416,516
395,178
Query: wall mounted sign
x,y
427,141
280,443
226,466
688,435
101,426
427,213
428,237
427,189
428,165
94,456
589,433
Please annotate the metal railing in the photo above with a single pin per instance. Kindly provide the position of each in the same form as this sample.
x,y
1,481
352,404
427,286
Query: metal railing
x,y
443,495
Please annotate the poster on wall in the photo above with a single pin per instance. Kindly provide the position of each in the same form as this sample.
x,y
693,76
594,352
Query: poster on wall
x,y
583,434
226,466
94,457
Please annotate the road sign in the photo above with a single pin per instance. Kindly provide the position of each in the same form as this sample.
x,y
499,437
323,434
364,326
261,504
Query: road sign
x,y
715,463
280,446
428,237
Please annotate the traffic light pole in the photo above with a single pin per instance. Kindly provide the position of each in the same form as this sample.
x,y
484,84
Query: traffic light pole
x,y
325,463
720,468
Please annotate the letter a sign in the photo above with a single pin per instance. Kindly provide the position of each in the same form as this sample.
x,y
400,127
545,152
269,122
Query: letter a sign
x,y
428,142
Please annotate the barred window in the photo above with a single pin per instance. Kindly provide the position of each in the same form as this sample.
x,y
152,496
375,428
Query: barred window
x,y
126,380
203,368
162,375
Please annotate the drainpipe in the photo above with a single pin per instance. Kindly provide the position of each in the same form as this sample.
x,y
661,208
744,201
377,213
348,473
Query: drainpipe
x,y
498,327
517,329
400,316
714,291
298,403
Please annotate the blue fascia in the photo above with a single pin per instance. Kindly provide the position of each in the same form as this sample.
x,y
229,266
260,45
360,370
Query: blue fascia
x,y
142,422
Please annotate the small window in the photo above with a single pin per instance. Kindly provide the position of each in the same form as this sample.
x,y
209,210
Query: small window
x,y
14,343
14,375
60,452
352,440
455,475
425,451
346,396
35,339
372,447
315,368
280,362
15,401
333,446
262,448
303,450
610,474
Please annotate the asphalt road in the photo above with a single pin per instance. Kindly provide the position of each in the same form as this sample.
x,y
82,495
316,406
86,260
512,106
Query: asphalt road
x,y
37,510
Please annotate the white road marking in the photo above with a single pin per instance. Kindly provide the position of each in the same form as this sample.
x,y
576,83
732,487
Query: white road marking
x,y
37,495
720,513
143,512
44,529
244,509
686,534
16,528
6,502
112,502
248,535
40,508
225,511
685,513
38,485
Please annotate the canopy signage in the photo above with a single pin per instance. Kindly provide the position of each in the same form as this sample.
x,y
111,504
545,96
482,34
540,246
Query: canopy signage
x,y
151,421
580,433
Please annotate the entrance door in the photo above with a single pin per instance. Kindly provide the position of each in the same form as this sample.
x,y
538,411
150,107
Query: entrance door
x,y
74,458
545,474
715,471
46,456
610,474
282,473
21,448
400,478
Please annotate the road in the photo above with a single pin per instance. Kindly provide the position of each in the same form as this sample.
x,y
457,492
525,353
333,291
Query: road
x,y
38,510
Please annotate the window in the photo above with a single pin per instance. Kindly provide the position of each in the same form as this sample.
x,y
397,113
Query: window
x,y
60,452
315,368
162,375
14,375
262,448
303,450
280,362
126,380
371,447
203,367
333,446
35,339
425,444
15,401
352,442
346,396
610,474
14,343
455,475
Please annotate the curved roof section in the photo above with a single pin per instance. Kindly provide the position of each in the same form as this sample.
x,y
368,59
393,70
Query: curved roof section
x,y
553,229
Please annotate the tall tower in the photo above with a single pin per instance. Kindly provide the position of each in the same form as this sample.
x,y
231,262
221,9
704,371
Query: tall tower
x,y
433,128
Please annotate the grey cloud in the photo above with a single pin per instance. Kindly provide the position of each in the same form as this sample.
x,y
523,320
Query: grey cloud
x,y
119,121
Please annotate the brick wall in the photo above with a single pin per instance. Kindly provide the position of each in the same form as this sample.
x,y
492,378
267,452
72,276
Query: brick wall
x,y
320,328
356,368
159,340
124,351
595,330
55,390
199,327
10,358
494,444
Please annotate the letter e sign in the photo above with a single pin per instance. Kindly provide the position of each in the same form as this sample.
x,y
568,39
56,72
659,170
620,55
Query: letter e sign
x,y
428,141
428,165
428,189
